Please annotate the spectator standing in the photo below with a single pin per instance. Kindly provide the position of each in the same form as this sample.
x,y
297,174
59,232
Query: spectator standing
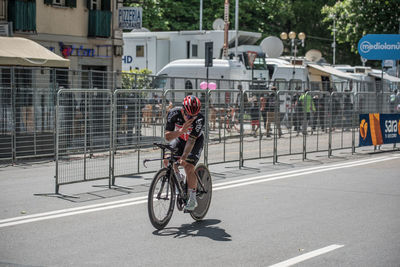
x,y
394,101
271,107
263,109
319,103
309,108
347,111
298,110
255,116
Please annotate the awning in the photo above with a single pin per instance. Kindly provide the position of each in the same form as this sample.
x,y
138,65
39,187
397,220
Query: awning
x,y
16,51
332,71
387,77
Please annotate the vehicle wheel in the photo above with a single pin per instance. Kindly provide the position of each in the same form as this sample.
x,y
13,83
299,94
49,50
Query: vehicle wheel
x,y
203,198
161,199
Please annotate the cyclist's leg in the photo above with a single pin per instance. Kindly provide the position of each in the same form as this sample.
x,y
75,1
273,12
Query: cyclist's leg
x,y
191,161
177,144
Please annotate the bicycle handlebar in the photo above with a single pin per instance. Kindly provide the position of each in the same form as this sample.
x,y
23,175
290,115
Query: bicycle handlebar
x,y
163,147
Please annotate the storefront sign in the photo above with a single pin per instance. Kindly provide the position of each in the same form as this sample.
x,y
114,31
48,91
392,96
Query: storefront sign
x,y
377,129
380,46
103,51
130,18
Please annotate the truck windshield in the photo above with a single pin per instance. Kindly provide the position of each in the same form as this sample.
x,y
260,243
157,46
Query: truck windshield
x,y
160,82
259,62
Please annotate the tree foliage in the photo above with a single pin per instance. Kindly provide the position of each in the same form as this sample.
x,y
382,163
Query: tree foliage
x,y
271,17
136,79
356,18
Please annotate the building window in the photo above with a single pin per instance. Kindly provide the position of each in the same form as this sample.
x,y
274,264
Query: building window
x,y
95,4
194,50
99,5
140,51
188,85
187,49
22,14
68,3
59,2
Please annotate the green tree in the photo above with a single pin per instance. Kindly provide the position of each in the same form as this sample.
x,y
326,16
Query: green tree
x,y
271,17
356,18
136,79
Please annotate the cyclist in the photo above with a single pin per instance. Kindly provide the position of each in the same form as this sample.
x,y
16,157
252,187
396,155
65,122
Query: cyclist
x,y
184,131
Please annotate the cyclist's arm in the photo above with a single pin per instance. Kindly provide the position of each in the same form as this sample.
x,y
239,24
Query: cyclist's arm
x,y
188,147
171,135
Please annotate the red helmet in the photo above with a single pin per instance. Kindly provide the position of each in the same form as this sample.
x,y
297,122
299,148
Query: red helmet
x,y
191,105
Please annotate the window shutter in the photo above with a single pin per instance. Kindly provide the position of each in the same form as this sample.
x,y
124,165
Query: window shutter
x,y
88,2
106,5
48,2
70,3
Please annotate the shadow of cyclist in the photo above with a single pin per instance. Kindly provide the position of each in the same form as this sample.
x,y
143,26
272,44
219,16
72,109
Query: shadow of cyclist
x,y
202,228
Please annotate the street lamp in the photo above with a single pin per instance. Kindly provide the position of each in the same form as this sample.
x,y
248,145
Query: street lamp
x,y
294,43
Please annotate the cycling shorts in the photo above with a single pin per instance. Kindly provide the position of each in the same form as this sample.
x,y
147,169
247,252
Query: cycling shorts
x,y
195,154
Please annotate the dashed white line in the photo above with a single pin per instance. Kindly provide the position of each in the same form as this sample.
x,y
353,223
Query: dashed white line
x,y
307,256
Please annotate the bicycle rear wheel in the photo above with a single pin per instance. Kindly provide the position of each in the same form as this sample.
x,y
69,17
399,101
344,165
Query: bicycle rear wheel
x,y
203,198
161,199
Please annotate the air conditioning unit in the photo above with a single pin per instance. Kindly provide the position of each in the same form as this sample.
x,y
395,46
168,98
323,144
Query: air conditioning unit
x,y
4,30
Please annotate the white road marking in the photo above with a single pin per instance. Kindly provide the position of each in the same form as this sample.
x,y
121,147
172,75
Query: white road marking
x,y
273,177
307,256
219,186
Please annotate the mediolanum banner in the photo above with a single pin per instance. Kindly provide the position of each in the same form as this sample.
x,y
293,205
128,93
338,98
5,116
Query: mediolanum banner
x,y
378,129
380,46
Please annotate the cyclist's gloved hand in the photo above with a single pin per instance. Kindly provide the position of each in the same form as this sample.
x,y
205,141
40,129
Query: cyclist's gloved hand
x,y
187,124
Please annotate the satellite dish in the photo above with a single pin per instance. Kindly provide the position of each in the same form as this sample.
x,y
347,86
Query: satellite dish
x,y
272,46
218,24
313,55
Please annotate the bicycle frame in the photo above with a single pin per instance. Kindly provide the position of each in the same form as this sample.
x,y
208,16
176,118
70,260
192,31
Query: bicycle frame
x,y
171,173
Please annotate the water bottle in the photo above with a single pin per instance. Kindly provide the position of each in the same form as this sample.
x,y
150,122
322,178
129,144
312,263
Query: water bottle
x,y
180,176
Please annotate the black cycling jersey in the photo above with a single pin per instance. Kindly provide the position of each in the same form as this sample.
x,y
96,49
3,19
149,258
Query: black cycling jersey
x,y
175,121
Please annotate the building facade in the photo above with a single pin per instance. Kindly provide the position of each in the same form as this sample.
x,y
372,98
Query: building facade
x,y
86,32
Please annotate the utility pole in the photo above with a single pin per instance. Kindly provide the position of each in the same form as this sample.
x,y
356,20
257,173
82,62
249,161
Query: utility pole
x,y
226,29
201,15
236,27
334,41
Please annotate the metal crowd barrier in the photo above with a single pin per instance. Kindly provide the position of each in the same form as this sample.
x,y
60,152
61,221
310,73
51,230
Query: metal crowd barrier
x,y
104,135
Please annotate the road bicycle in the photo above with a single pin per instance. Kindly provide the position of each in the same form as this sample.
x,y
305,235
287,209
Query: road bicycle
x,y
165,190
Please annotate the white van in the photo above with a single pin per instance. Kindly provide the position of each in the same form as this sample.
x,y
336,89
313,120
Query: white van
x,y
189,73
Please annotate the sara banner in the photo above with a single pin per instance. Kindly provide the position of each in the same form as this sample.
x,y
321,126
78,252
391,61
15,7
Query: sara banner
x,y
378,129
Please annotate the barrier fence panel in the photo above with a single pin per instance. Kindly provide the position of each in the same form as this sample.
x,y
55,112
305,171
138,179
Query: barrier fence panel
x,y
342,120
223,124
316,118
83,132
259,123
291,121
6,125
138,123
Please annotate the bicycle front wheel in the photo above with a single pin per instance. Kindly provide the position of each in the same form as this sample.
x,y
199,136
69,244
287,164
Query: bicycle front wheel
x,y
161,199
203,194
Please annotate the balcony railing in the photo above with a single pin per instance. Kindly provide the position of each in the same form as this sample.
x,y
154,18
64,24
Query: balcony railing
x,y
99,23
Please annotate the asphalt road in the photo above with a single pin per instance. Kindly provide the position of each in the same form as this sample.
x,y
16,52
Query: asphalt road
x,y
343,211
